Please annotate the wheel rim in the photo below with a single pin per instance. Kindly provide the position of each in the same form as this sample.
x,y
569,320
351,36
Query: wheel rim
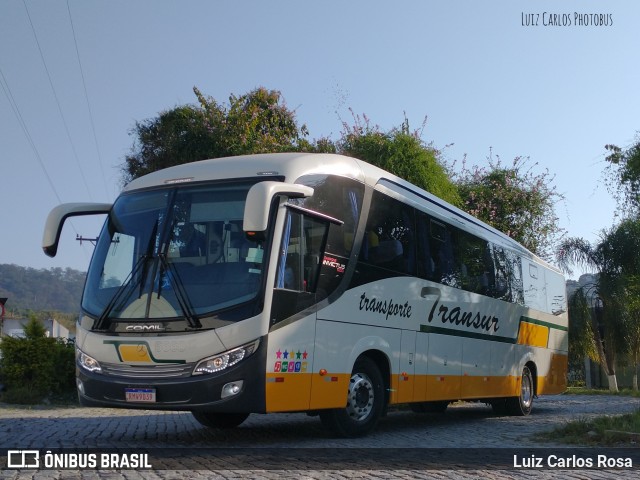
x,y
360,398
526,393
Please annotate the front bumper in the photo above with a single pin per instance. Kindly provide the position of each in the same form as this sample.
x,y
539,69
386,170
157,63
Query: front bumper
x,y
200,392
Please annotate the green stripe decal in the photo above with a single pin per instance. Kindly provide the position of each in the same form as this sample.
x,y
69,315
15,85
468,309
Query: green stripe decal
x,y
466,334
543,324
485,336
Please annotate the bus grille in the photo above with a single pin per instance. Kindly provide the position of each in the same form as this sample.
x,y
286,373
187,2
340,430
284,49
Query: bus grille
x,y
172,370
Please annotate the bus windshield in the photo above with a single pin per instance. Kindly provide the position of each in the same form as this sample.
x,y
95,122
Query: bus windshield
x,y
174,253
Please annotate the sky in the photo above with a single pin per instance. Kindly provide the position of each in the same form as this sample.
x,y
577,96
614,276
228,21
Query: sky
x,y
541,79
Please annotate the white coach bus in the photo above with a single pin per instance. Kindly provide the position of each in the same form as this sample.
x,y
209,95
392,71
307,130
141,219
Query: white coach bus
x,y
308,283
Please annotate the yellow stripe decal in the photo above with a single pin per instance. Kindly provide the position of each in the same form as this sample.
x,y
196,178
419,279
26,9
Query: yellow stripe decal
x,y
290,392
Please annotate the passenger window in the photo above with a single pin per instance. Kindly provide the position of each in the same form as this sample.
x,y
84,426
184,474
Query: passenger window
x,y
389,238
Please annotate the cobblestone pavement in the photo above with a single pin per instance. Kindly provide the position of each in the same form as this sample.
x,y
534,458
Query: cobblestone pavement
x,y
464,428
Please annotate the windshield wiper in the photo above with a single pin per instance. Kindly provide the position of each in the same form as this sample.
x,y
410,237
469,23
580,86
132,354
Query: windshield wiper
x,y
178,287
99,324
142,263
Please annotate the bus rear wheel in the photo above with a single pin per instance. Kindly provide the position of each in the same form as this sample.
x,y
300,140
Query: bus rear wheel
x,y
523,403
220,420
365,402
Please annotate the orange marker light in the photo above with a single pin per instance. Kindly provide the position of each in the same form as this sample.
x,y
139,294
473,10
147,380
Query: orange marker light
x,y
322,372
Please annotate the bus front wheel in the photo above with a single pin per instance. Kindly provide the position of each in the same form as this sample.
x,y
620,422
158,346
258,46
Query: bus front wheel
x,y
220,420
365,402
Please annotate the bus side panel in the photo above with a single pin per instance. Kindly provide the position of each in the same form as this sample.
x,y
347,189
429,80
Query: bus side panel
x,y
421,361
444,367
504,376
406,377
338,345
289,366
476,368
555,379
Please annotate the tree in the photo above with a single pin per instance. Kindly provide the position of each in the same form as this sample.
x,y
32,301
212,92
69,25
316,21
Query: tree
x,y
35,366
176,136
595,310
256,122
616,324
624,241
515,200
582,322
622,176
400,152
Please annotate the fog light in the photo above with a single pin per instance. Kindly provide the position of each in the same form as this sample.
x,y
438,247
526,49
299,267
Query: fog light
x,y
231,389
80,386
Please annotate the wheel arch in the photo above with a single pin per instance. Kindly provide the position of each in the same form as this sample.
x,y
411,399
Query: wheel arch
x,y
382,362
534,374
528,360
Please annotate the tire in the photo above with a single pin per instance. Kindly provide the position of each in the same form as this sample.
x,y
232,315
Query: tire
x,y
365,402
523,403
429,407
220,420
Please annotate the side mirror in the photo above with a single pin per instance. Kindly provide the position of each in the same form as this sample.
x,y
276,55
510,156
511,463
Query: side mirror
x,y
57,217
256,210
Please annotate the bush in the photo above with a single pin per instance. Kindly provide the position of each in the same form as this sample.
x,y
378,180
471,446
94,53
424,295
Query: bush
x,y
35,367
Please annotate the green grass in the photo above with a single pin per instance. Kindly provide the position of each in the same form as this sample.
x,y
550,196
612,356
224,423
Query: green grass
x,y
597,391
615,430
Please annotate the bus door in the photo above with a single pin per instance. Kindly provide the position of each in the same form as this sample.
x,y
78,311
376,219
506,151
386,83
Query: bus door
x,y
293,316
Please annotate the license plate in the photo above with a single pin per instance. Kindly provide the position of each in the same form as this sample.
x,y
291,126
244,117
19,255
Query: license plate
x,y
143,395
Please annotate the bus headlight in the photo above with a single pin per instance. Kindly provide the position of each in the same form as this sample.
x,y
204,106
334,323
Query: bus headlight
x,y
88,363
219,362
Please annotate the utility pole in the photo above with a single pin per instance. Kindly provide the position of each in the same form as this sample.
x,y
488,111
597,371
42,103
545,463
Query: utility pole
x,y
2,302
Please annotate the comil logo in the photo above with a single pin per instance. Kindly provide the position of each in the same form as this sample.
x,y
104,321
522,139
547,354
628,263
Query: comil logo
x,y
23,459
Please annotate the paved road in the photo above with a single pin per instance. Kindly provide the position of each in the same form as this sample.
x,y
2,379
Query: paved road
x,y
465,426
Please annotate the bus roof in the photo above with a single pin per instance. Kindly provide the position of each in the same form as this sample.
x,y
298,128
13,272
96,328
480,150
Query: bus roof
x,y
292,166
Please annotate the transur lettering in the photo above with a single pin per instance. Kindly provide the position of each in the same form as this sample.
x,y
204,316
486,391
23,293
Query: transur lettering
x,y
457,316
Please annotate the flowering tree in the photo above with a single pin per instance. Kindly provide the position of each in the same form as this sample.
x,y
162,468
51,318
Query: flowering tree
x,y
622,176
515,200
401,152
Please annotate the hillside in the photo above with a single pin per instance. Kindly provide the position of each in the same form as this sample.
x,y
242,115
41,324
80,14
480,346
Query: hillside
x,y
52,290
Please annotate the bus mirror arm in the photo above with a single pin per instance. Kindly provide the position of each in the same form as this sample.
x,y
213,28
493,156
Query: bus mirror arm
x,y
57,217
256,210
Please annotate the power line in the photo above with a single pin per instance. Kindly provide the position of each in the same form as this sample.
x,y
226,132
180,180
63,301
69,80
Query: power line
x,y
55,95
16,111
86,96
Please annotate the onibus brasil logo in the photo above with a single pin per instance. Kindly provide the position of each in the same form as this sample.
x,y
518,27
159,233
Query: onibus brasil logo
x,y
24,459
